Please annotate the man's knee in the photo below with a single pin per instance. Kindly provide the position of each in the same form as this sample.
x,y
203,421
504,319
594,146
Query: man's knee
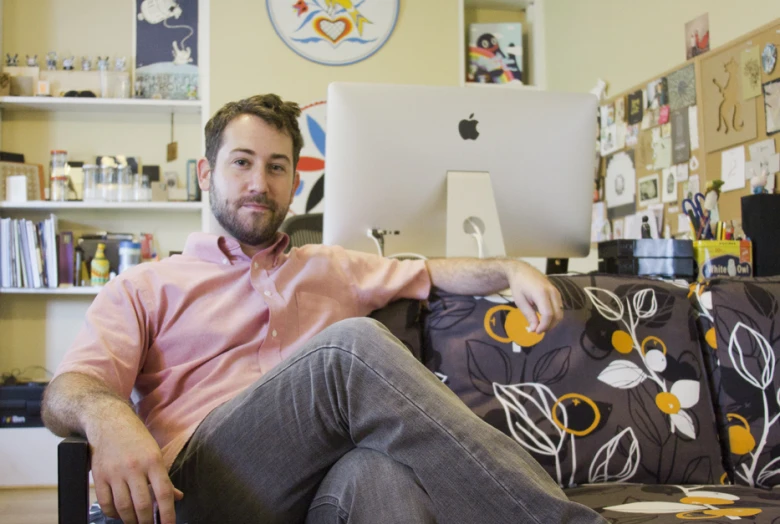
x,y
358,327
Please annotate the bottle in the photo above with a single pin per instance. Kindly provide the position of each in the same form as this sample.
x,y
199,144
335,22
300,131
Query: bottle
x,y
99,267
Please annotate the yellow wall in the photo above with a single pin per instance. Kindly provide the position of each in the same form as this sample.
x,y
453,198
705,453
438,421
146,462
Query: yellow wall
x,y
626,42
247,56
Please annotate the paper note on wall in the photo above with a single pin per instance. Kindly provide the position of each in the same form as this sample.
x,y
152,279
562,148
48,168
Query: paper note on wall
x,y
693,127
732,168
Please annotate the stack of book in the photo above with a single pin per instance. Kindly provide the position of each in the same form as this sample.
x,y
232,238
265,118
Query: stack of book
x,y
30,253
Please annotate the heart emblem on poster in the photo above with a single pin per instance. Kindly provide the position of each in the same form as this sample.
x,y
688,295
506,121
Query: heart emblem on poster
x,y
333,30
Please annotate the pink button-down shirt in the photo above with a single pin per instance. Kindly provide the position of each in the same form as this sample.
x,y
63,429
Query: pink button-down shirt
x,y
192,331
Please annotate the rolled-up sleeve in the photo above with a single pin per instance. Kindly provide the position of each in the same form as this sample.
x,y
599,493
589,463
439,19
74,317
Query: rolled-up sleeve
x,y
377,281
111,345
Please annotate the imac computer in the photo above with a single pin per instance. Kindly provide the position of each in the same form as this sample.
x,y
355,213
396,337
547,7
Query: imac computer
x,y
459,171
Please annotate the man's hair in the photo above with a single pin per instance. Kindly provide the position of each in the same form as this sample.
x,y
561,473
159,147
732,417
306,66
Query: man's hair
x,y
270,108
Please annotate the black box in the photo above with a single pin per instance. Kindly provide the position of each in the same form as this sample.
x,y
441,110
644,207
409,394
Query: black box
x,y
20,405
662,267
761,223
648,257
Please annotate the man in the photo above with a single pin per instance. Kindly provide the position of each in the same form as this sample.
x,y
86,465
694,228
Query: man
x,y
263,394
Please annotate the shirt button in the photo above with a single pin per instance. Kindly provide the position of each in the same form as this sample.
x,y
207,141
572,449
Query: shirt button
x,y
257,265
267,293
273,333
225,261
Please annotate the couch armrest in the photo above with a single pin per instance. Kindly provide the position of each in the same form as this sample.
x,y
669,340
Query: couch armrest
x,y
73,462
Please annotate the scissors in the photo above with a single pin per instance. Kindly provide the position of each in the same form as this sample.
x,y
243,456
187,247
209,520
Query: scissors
x,y
694,208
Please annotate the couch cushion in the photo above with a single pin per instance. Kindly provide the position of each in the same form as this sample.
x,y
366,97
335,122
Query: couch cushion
x,y
402,318
615,393
636,503
740,320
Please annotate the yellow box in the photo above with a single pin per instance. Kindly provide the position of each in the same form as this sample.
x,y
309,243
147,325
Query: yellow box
x,y
723,258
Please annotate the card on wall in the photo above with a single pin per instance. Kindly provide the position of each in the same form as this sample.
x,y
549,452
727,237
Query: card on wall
x,y
632,135
644,150
772,106
693,125
682,172
635,107
682,88
728,119
669,185
732,169
662,149
694,185
751,73
681,146
649,191
657,94
697,36
620,109
620,184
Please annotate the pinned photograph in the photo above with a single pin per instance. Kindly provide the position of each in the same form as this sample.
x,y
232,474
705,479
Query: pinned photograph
x,y
649,191
635,107
657,94
772,106
697,36
669,183
620,109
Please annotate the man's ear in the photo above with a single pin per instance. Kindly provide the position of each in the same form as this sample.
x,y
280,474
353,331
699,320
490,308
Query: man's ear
x,y
204,174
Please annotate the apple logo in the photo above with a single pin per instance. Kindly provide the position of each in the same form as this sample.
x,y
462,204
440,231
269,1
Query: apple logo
x,y
468,128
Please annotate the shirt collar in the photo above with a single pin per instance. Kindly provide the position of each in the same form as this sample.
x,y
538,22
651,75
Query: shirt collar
x,y
221,248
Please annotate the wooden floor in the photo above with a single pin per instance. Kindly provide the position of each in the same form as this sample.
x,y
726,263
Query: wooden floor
x,y
29,506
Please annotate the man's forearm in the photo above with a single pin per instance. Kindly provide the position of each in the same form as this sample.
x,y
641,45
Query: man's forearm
x,y
75,404
471,276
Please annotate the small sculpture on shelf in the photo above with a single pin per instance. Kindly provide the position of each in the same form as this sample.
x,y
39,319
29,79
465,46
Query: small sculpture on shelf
x,y
32,61
646,232
11,61
102,63
67,63
758,182
86,63
120,64
51,61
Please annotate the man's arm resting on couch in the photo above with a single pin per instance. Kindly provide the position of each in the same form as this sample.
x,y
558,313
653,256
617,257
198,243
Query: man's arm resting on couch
x,y
531,290
126,459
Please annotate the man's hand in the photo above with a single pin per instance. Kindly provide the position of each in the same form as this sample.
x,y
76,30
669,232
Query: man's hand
x,y
532,292
129,472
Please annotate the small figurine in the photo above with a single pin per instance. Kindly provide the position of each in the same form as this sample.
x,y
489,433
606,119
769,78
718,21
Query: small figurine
x,y
646,232
120,63
86,63
67,63
51,61
102,63
12,61
181,56
758,182
32,61
711,196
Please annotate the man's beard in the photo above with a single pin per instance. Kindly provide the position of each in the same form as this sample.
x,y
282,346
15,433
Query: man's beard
x,y
230,221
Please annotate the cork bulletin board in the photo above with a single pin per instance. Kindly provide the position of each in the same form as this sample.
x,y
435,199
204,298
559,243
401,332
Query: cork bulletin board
x,y
724,118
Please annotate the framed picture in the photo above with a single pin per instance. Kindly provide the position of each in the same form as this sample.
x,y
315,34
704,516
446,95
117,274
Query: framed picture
x,y
697,36
649,190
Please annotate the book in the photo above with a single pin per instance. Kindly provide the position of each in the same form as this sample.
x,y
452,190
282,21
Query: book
x,y
495,53
65,267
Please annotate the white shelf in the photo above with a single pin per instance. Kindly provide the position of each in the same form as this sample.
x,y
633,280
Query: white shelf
x,y
84,290
512,5
115,105
45,205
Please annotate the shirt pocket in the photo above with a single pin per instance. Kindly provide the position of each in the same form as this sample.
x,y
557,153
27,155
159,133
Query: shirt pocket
x,y
316,312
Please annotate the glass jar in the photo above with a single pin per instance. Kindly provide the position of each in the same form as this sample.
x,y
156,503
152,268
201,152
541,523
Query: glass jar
x,y
129,254
142,189
124,176
58,188
108,183
58,170
92,187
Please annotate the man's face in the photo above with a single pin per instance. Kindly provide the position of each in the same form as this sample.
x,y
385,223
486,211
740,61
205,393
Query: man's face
x,y
253,180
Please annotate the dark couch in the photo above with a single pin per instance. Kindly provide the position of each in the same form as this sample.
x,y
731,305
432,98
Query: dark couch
x,y
651,402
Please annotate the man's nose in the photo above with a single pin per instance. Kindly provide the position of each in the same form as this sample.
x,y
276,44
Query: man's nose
x,y
258,180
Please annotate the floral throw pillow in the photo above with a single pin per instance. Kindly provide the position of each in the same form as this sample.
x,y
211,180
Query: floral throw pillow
x,y
616,393
740,321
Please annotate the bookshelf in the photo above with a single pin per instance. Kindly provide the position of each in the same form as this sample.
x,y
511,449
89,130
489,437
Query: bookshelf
x,y
39,325
528,12
113,105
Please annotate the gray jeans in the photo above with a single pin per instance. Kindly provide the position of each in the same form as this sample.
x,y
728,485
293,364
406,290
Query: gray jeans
x,y
353,429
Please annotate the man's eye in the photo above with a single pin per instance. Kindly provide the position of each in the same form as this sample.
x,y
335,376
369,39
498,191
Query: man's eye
x,y
241,162
278,168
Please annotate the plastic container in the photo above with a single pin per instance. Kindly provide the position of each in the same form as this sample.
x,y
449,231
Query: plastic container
x,y
92,187
129,255
58,175
58,188
124,176
108,183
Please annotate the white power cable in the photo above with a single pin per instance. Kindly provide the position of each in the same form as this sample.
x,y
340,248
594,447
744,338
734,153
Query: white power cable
x,y
477,234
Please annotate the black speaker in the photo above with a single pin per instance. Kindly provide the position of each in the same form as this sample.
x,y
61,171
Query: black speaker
x,y
761,223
